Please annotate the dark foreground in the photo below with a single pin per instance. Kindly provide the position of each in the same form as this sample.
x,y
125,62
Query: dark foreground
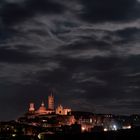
x,y
133,134
118,135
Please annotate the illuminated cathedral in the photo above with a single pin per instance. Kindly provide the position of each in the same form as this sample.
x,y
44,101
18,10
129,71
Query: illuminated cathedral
x,y
60,110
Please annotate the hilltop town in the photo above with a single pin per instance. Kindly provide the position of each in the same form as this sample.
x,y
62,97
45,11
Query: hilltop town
x,y
50,120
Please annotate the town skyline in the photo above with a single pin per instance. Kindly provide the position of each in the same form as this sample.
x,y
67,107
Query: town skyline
x,y
36,107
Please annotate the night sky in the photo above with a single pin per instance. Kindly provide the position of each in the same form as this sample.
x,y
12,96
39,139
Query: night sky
x,y
87,51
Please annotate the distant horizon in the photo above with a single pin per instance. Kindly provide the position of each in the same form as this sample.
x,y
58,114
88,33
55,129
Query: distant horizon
x,y
94,113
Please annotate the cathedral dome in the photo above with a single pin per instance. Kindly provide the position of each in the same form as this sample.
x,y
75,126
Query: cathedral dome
x,y
42,108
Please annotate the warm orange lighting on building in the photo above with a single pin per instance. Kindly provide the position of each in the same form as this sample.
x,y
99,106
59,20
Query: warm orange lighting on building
x,y
31,108
51,102
62,111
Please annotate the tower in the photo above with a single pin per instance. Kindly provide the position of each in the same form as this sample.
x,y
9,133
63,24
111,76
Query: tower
x,y
31,108
51,101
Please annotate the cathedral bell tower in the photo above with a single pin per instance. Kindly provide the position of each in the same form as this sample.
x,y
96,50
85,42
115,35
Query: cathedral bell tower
x,y
51,101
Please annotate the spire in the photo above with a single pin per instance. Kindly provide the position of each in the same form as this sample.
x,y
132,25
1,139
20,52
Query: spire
x,y
51,92
42,104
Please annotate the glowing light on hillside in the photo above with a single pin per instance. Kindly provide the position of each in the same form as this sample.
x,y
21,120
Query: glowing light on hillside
x,y
114,127
105,129
83,128
127,127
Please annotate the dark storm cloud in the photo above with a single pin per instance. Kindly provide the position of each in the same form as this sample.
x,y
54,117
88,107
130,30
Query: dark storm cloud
x,y
93,66
12,13
108,10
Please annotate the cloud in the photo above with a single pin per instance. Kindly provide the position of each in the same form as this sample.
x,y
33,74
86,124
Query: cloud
x,y
87,50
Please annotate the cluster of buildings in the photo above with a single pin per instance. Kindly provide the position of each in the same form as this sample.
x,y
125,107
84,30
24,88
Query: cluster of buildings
x,y
48,116
55,118
52,120
60,110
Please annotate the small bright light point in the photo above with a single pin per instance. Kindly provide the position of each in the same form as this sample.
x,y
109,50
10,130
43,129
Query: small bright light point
x,y
13,135
83,128
129,127
39,136
105,129
114,127
91,120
